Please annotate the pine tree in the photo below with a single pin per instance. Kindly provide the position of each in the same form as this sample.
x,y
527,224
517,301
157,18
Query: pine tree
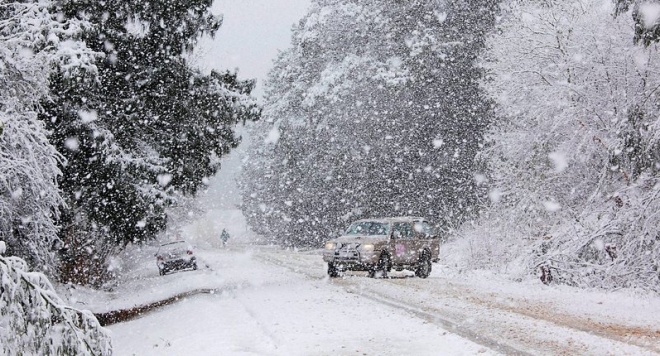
x,y
378,112
144,129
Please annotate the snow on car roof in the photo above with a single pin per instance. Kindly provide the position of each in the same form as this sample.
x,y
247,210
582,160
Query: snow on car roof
x,y
174,242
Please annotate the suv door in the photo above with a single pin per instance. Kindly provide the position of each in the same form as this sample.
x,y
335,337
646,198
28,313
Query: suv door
x,y
428,238
404,249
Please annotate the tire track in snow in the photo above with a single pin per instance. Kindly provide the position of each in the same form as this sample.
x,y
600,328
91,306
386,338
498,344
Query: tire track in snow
x,y
516,334
433,318
272,339
446,324
630,335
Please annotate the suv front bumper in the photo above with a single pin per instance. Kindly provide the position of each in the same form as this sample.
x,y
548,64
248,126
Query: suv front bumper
x,y
351,259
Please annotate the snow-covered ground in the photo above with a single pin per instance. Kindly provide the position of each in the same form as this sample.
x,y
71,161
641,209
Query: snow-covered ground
x,y
265,309
271,301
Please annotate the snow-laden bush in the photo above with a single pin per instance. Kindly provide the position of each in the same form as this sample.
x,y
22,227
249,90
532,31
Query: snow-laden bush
x,y
574,161
35,321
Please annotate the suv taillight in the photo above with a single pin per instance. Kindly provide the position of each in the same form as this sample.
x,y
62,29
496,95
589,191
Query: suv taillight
x,y
159,258
190,252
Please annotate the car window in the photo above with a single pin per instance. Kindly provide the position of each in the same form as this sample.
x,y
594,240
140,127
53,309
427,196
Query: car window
x,y
368,228
404,230
426,228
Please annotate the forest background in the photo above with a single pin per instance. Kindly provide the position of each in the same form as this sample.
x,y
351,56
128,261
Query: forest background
x,y
527,130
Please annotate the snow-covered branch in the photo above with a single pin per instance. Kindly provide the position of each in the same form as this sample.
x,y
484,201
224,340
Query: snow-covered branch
x,y
575,149
32,41
34,320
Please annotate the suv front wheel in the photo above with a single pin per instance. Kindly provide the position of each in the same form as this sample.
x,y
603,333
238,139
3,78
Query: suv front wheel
x,y
382,267
333,272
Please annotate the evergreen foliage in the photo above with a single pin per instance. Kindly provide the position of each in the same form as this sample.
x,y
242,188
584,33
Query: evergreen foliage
x,y
145,128
375,110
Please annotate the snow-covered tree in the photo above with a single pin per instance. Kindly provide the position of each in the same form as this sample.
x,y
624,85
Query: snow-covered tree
x,y
574,156
33,39
145,128
374,110
35,321
646,14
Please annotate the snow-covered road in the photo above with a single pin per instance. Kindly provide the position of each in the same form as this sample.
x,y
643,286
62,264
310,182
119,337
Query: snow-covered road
x,y
276,302
513,318
277,311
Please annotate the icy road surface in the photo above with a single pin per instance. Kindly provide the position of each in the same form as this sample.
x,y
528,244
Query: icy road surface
x,y
266,309
276,302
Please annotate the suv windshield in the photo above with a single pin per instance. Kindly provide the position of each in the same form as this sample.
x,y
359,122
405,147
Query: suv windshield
x,y
368,228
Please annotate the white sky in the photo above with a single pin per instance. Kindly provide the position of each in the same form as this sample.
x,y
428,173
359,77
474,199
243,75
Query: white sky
x,y
251,34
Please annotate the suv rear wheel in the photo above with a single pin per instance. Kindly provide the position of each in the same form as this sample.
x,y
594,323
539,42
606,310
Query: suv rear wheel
x,y
423,265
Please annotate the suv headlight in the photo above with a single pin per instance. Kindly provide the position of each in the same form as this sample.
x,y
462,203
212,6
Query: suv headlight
x,y
367,247
330,245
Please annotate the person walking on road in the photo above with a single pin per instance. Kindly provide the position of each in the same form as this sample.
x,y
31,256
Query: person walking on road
x,y
224,236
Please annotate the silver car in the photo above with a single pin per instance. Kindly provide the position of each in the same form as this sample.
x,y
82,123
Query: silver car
x,y
380,245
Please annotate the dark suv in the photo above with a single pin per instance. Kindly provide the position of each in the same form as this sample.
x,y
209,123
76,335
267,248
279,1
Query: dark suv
x,y
174,256
380,245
